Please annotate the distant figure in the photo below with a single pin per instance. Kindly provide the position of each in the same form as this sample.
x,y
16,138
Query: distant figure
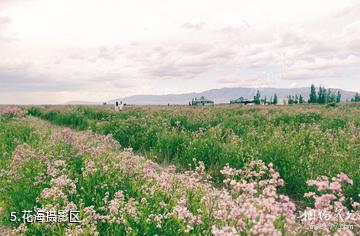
x,y
116,106
121,106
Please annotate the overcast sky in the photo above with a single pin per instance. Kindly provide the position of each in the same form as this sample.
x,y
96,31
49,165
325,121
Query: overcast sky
x,y
54,51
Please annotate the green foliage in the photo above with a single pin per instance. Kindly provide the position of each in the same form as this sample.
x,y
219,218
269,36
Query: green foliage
x,y
332,104
301,99
71,119
22,195
257,97
290,139
356,98
338,97
313,96
12,134
324,96
275,99
295,99
301,142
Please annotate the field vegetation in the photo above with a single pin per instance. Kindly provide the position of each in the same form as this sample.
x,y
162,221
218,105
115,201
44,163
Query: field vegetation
x,y
303,142
223,170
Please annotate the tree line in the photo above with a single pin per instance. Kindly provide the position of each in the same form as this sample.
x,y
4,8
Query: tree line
x,y
356,98
323,96
320,96
258,100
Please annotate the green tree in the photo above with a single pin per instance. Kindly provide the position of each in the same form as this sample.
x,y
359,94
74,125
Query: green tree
x,y
275,101
322,95
327,95
332,96
291,99
338,97
301,99
257,97
312,96
296,100
356,98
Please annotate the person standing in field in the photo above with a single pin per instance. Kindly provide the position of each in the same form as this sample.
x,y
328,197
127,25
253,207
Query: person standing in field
x,y
116,106
121,106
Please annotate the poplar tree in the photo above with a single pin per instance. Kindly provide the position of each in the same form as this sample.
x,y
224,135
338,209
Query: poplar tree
x,y
275,99
257,97
312,97
338,97
356,98
301,99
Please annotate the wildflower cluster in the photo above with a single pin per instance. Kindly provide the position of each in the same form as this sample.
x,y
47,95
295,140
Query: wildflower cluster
x,y
316,139
330,213
117,192
12,111
250,203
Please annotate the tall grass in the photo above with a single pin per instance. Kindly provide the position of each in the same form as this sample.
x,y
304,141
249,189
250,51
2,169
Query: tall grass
x,y
303,142
48,168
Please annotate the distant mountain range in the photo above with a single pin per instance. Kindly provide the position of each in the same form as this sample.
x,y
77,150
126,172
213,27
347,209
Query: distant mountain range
x,y
223,95
82,103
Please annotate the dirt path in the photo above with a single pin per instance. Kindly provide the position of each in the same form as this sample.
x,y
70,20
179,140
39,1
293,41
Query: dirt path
x,y
5,231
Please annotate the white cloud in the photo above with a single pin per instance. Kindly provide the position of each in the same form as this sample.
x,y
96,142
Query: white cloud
x,y
66,50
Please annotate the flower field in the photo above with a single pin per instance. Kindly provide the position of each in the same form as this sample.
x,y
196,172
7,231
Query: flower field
x,y
223,170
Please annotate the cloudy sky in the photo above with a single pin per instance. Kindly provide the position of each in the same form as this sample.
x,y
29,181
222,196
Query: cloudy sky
x,y
54,51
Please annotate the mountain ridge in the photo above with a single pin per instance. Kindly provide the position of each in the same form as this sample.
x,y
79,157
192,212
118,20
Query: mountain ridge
x,y
218,95
223,95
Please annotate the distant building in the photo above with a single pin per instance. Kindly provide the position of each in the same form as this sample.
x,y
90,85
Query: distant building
x,y
241,100
201,101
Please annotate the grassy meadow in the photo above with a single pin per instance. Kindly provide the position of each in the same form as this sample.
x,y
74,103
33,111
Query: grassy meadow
x,y
175,170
